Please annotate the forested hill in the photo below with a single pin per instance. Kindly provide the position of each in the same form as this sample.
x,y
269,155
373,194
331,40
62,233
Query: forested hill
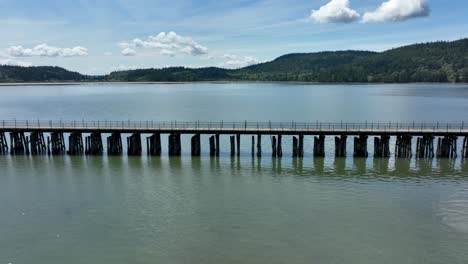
x,y
429,62
38,74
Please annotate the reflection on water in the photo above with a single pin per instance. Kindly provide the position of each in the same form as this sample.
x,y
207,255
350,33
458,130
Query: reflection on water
x,y
184,209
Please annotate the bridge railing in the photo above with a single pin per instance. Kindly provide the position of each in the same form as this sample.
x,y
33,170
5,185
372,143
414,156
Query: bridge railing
x,y
243,125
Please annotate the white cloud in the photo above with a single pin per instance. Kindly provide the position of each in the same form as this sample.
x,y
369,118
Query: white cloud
x,y
398,10
235,61
44,50
336,11
12,62
168,43
128,52
6,59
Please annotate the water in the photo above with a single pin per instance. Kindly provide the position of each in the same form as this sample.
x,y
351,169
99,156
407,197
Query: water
x,y
203,210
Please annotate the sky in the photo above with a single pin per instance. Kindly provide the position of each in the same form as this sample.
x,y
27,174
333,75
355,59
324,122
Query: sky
x,y
101,36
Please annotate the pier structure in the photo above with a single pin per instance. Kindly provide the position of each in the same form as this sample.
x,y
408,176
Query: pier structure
x,y
431,139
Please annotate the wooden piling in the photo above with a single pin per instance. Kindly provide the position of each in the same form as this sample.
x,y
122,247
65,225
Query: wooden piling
x,y
175,148
382,146
3,144
212,146
465,148
404,147
233,145
274,151
153,143
75,144
360,146
425,147
114,144
300,147
447,147
280,147
253,146
319,146
294,147
94,144
217,145
340,146
134,145
259,145
195,145
238,141
18,144
37,143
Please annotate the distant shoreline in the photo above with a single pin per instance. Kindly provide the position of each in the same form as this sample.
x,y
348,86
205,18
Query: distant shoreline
x,y
212,82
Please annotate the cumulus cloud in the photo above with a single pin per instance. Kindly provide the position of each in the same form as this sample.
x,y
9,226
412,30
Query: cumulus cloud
x,y
398,10
235,61
128,52
168,43
336,11
13,62
44,50
6,59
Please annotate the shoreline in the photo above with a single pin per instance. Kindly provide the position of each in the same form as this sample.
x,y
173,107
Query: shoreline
x,y
211,82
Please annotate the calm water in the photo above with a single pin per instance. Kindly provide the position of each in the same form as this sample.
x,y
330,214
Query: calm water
x,y
203,210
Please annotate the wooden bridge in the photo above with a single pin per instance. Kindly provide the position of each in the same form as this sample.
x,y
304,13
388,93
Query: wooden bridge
x,y
36,137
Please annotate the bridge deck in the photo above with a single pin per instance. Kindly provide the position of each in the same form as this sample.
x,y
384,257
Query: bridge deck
x,y
250,128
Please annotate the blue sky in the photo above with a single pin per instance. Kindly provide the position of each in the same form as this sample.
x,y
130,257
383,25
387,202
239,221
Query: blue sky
x,y
96,37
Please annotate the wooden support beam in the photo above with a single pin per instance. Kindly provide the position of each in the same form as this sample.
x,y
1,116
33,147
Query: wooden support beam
x,y
238,141
3,144
212,146
134,145
259,145
319,146
37,143
114,144
404,147
274,150
175,148
340,146
294,147
280,147
253,146
195,145
300,147
360,146
217,145
94,144
154,144
17,143
75,144
233,145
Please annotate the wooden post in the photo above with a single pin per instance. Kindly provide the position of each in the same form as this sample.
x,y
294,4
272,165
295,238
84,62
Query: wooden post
x,y
94,144
217,145
360,146
300,148
212,146
134,145
280,148
294,147
253,146
75,144
114,144
196,149
233,145
154,145
238,144
319,146
3,144
273,147
340,146
259,145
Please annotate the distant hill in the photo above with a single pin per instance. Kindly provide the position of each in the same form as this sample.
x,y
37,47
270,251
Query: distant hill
x,y
38,74
428,62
